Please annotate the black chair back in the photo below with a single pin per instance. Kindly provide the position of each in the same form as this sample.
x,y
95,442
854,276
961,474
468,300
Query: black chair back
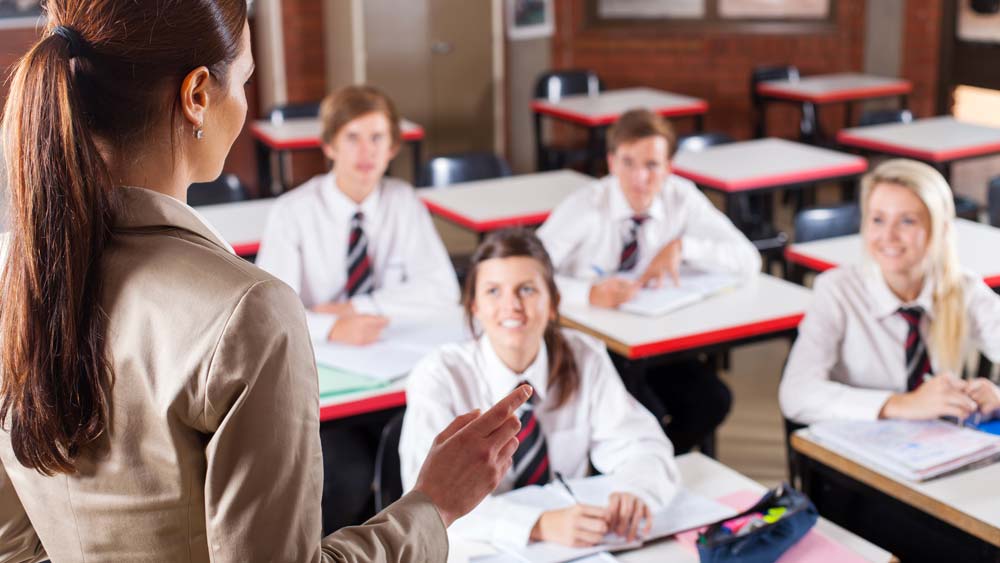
x,y
697,142
293,111
883,116
817,223
225,189
388,484
555,84
463,167
808,126
993,201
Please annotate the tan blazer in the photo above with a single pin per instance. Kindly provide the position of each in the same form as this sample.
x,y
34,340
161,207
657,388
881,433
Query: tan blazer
x,y
213,451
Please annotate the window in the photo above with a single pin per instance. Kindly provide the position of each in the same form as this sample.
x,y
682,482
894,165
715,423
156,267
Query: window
x,y
770,16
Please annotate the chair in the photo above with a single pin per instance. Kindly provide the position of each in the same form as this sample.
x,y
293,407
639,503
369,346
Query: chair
x,y
293,111
462,167
883,116
697,142
225,189
993,200
552,86
817,223
388,484
808,125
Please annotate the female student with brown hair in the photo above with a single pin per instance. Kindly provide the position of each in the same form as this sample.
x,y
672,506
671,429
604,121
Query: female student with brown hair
x,y
158,394
580,413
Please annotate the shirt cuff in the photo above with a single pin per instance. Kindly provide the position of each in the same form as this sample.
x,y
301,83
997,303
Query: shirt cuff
x,y
865,404
514,528
574,291
364,305
319,325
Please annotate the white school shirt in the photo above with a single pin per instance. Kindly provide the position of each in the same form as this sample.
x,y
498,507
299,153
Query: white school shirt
x,y
585,234
305,246
601,424
850,355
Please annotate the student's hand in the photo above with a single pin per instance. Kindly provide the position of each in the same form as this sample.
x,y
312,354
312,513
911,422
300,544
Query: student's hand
x,y
986,394
941,395
580,525
471,456
342,309
667,262
625,514
357,330
612,292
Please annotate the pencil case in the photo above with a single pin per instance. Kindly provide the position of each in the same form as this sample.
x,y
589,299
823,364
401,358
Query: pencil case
x,y
761,533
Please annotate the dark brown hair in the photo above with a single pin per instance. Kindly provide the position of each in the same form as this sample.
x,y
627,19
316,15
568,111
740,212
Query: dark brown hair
x,y
351,102
636,124
564,375
105,72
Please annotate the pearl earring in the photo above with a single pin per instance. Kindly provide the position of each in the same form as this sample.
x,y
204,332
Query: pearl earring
x,y
199,133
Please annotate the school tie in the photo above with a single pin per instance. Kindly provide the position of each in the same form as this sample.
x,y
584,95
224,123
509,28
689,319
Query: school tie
x,y
630,251
359,266
531,460
918,363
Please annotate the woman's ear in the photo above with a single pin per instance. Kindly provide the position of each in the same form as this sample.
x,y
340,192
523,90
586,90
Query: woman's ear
x,y
195,96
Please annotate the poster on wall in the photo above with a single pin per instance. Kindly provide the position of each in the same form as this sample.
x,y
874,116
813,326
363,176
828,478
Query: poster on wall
x,y
650,9
529,19
976,27
20,8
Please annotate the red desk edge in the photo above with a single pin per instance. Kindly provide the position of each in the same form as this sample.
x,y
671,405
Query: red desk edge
x,y
362,406
541,106
856,166
416,134
847,94
530,219
853,140
758,328
246,248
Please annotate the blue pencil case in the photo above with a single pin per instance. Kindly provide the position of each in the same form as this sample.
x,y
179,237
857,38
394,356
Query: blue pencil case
x,y
761,533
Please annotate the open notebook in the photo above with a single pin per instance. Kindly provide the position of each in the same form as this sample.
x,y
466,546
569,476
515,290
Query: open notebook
x,y
913,450
694,286
685,512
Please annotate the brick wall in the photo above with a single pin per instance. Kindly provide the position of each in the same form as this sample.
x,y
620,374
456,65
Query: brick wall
x,y
922,52
14,43
302,27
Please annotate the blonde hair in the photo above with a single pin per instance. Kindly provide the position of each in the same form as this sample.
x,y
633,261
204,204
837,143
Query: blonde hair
x,y
941,264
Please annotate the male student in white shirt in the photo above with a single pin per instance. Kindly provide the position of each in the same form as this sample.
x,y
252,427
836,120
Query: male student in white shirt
x,y
358,248
634,228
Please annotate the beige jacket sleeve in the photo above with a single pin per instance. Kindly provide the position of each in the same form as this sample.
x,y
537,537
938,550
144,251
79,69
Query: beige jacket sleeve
x,y
18,541
264,464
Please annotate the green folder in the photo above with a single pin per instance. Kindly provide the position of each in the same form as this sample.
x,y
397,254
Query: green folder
x,y
334,381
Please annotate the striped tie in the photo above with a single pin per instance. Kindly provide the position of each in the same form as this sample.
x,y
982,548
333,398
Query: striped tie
x,y
359,266
531,460
918,363
630,252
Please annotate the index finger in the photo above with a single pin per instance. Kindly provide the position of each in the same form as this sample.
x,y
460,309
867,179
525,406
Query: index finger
x,y
489,421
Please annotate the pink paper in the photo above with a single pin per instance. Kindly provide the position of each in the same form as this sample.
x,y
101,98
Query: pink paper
x,y
815,547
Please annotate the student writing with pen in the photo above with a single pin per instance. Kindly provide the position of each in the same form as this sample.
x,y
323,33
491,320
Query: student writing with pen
x,y
635,227
580,415
887,338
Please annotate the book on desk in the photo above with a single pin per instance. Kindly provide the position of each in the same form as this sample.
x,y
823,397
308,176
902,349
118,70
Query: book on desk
x,y
693,286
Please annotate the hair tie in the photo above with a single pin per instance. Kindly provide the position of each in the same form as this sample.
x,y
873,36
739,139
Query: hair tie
x,y
77,45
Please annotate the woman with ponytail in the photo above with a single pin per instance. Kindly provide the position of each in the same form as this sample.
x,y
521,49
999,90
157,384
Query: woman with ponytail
x,y
887,339
158,395
580,412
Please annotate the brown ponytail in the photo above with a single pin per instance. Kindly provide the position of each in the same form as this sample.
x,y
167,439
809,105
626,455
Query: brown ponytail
x,y
564,374
101,79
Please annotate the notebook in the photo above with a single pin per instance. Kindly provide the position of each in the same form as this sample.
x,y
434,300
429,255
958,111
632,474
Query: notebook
x,y
912,450
694,286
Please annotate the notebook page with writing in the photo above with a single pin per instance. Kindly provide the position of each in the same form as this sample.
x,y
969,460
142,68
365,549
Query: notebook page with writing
x,y
694,286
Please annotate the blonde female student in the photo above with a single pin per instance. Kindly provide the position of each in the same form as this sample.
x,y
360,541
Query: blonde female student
x,y
886,339
580,413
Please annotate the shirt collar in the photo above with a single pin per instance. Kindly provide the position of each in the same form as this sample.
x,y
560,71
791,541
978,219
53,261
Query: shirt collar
x,y
886,302
501,380
343,206
144,209
622,211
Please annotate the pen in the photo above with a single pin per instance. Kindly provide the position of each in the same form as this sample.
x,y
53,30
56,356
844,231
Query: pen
x,y
565,485
598,270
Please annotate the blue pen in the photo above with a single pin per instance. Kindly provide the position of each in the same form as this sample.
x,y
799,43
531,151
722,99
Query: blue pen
x,y
598,270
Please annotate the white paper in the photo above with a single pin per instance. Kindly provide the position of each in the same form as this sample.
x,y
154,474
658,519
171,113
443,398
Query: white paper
x,y
694,286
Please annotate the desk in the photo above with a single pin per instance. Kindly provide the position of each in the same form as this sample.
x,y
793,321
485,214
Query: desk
x,y
597,112
362,402
710,478
304,133
763,165
487,205
976,251
241,224
833,88
953,518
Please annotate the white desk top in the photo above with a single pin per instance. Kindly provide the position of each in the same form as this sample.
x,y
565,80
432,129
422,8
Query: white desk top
x,y
488,205
304,133
241,223
839,87
761,306
763,164
977,244
968,494
935,139
604,108
710,478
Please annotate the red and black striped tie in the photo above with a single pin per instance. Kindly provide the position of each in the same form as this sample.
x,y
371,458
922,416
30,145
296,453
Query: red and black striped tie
x,y
630,251
531,460
918,363
359,266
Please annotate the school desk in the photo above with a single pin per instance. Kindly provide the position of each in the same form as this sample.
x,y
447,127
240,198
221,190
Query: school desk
x,y
977,244
241,223
304,134
334,406
951,518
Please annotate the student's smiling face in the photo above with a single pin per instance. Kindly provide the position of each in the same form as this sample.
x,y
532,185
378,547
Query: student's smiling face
x,y
362,149
641,168
897,229
512,303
